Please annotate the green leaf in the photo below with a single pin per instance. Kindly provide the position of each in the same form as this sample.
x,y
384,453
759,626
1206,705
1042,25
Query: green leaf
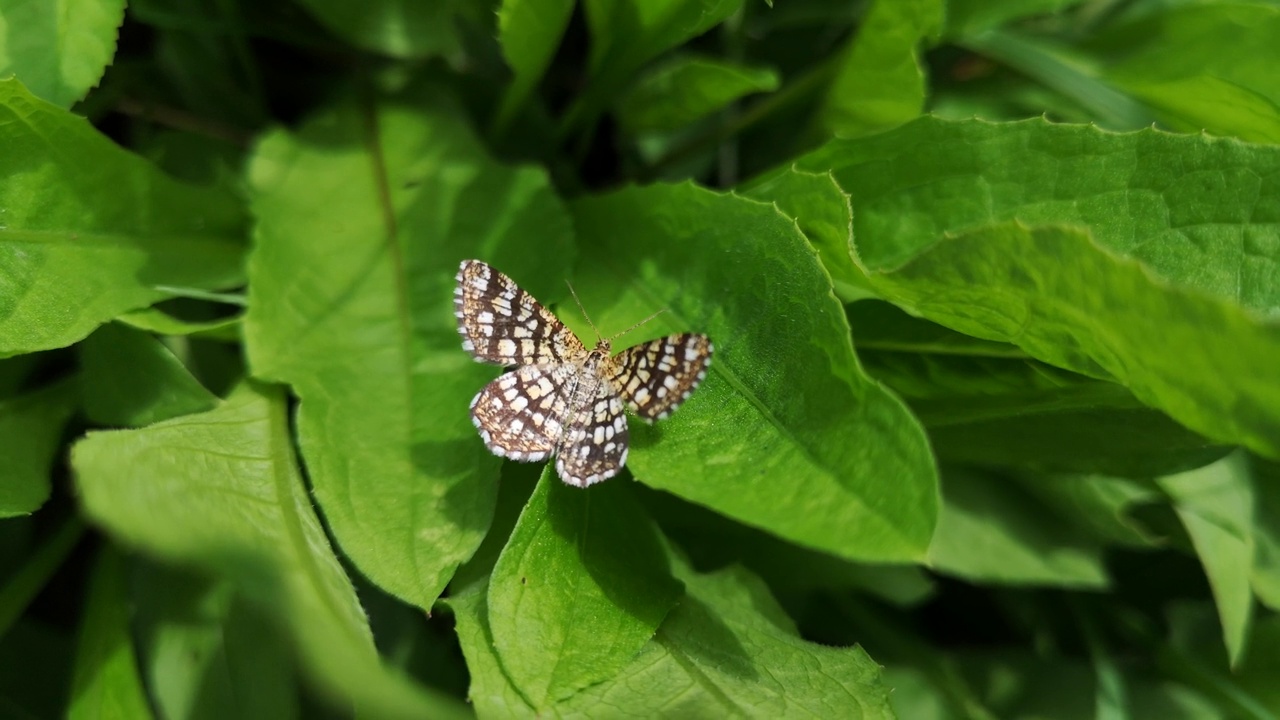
x,y
365,335
1208,363
89,230
130,379
1173,60
1010,411
686,89
1198,212
219,491
626,34
784,398
529,32
161,323
970,16
726,650
58,48
823,213
207,652
26,581
31,433
1215,504
993,530
580,588
1266,531
398,28
879,82
106,683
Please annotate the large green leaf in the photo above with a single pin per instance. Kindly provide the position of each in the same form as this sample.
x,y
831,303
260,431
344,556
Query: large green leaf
x,y
1200,213
89,231
30,433
726,650
1208,363
58,48
219,491
380,208
786,433
879,83
581,586
106,683
1173,59
1215,504
131,379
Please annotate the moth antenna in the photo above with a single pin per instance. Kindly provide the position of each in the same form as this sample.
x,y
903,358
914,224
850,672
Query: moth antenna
x,y
633,327
574,293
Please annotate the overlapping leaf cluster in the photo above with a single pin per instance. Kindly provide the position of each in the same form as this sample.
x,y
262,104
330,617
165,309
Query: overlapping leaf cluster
x,y
992,428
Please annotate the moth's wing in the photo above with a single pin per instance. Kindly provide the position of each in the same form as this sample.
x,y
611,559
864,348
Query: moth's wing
x,y
655,377
519,415
502,324
595,441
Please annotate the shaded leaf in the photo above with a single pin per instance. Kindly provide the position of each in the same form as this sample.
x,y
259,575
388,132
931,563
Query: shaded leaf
x,y
968,16
106,683
1207,362
529,32
219,491
1215,504
727,649
30,433
880,83
784,397
207,652
992,530
131,379
381,209
686,89
89,230
161,323
398,28
58,48
581,586
1172,58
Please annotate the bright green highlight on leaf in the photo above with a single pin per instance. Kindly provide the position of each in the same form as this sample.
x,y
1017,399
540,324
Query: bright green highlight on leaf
x,y
380,209
220,491
580,588
686,89
726,649
786,433
58,48
30,429
89,230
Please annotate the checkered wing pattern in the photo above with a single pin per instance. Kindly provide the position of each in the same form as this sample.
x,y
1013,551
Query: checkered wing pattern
x,y
594,447
520,414
657,376
502,324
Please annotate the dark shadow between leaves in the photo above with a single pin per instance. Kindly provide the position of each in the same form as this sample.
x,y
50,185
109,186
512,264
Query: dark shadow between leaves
x,y
694,633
